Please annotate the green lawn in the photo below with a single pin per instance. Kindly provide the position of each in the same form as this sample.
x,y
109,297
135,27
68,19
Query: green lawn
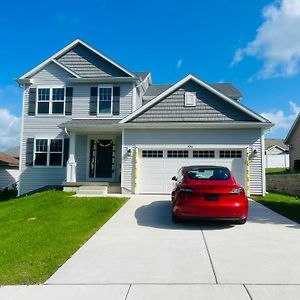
x,y
271,171
38,233
288,206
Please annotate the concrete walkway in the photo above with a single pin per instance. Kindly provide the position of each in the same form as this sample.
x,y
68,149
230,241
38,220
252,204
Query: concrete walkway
x,y
140,254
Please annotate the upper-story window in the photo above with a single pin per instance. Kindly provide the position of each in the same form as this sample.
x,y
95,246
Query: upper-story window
x,y
51,100
105,100
189,99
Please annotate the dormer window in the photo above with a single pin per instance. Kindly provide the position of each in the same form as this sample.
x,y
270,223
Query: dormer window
x,y
190,99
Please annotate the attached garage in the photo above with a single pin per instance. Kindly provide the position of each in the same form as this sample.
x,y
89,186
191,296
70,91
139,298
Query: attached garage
x,y
158,166
191,123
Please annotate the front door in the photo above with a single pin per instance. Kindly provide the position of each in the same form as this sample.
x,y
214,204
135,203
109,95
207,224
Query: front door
x,y
101,158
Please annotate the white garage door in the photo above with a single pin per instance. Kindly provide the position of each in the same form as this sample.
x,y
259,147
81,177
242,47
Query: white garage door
x,y
157,166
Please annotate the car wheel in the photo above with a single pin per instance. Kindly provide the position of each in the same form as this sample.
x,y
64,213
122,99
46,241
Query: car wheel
x,y
241,221
175,219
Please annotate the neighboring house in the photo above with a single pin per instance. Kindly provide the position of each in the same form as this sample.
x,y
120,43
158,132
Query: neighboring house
x,y
9,170
293,141
88,119
277,154
14,152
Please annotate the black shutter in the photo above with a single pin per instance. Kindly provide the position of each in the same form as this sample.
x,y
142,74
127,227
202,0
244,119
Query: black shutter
x,y
69,100
31,101
93,101
29,151
116,100
66,151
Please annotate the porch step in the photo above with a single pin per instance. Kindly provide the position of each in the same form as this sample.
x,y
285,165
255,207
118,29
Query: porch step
x,y
91,190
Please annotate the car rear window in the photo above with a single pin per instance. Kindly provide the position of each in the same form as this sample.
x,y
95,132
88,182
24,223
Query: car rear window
x,y
211,173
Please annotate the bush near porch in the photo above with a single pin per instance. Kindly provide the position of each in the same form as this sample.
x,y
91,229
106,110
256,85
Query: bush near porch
x,y
38,233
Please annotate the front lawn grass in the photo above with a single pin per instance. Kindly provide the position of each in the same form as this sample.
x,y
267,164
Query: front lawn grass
x,y
288,206
38,233
280,171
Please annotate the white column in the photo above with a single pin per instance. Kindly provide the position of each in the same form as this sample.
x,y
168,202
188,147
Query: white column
x,y
71,164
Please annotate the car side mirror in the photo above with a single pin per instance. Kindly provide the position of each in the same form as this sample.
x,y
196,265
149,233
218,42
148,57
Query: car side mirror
x,y
174,178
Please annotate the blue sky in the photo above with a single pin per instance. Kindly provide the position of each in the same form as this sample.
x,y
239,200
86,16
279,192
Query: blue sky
x,y
253,44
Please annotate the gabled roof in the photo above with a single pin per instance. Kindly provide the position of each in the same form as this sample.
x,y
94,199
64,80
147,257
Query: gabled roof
x,y
271,143
227,89
7,160
54,57
141,75
15,151
200,82
292,130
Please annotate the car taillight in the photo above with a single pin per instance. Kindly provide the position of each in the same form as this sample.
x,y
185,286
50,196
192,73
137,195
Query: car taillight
x,y
239,191
185,190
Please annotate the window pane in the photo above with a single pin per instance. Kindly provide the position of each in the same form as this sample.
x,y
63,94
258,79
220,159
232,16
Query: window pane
x,y
41,145
56,145
58,94
58,107
43,94
40,159
105,107
105,94
55,159
43,108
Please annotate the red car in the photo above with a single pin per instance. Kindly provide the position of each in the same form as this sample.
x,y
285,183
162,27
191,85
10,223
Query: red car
x,y
208,192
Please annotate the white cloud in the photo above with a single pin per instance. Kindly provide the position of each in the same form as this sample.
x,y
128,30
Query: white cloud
x,y
10,127
277,41
179,64
282,120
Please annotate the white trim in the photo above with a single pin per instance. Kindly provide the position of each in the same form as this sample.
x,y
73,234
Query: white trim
x,y
192,146
65,68
21,141
276,146
201,83
291,131
263,162
171,125
66,49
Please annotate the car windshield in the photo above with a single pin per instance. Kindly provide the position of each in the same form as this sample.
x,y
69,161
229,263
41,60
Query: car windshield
x,y
208,173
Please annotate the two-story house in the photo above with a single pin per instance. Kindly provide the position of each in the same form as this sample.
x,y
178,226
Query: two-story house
x,y
87,119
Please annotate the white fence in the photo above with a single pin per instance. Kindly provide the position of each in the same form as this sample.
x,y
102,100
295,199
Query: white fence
x,y
277,161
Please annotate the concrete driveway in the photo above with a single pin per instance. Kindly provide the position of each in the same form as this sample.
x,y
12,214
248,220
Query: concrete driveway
x,y
140,254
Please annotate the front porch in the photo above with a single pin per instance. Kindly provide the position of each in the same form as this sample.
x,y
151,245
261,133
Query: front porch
x,y
95,157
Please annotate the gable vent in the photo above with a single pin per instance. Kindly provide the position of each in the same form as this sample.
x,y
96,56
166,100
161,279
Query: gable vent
x,y
189,99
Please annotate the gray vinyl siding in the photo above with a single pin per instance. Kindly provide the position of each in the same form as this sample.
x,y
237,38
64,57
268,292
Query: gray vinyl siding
x,y
294,143
32,178
81,156
209,108
157,137
86,64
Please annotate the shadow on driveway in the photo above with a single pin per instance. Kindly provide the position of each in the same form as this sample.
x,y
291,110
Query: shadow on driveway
x,y
158,215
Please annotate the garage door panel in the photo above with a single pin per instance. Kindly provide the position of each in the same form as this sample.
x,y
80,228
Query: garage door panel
x,y
155,174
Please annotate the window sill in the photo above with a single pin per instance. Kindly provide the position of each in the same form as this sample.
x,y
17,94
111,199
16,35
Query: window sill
x,y
48,167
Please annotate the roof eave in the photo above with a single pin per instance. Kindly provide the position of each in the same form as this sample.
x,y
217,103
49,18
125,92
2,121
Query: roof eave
x,y
218,125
